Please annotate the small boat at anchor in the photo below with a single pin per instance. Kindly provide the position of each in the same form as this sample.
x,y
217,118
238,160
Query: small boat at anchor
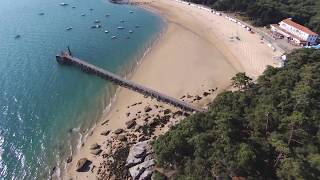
x,y
17,36
114,37
41,14
64,4
106,31
83,14
130,31
120,27
131,12
96,21
68,28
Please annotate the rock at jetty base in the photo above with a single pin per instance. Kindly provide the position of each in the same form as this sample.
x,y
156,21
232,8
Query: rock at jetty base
x,y
82,164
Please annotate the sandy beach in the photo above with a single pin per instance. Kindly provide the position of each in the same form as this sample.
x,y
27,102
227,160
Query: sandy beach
x,y
195,57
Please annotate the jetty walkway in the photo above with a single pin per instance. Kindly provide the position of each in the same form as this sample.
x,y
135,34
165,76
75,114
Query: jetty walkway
x,y
68,59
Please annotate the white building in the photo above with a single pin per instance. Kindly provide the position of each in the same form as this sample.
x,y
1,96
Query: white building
x,y
295,32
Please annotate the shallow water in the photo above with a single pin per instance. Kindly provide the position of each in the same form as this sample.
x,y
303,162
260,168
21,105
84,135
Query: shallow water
x,y
44,107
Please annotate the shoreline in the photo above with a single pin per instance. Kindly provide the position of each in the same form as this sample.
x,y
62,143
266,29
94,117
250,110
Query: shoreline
x,y
128,72
117,107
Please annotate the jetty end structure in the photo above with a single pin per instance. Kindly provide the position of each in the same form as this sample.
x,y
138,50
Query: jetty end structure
x,y
66,58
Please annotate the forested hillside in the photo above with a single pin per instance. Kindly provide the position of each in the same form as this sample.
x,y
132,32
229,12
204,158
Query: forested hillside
x,y
265,130
264,12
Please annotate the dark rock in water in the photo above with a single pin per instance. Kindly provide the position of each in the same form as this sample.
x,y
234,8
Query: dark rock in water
x,y
83,165
69,159
122,137
189,96
128,114
206,94
95,146
167,111
147,109
96,151
183,97
118,131
130,124
105,133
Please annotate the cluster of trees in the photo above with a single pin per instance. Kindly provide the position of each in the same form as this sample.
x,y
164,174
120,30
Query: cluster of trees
x,y
265,130
265,12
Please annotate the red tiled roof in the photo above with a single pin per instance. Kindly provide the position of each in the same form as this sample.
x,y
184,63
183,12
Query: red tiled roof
x,y
298,26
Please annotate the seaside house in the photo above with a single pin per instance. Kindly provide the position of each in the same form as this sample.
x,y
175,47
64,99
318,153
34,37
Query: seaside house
x,y
294,32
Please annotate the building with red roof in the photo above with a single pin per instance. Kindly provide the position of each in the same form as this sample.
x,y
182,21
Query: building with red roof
x,y
295,32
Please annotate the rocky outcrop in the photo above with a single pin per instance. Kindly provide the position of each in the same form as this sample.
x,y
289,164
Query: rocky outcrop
x,y
118,131
96,151
82,165
130,124
140,161
94,146
105,133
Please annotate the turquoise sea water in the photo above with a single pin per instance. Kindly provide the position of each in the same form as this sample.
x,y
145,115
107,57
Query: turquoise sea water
x,y
45,107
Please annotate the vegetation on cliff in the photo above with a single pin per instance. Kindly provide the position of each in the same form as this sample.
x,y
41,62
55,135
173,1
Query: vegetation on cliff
x,y
264,12
265,130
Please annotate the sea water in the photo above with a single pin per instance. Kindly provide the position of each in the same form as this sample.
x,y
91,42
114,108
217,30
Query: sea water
x,y
45,108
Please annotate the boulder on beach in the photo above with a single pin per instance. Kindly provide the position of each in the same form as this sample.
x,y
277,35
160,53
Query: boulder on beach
x,y
167,111
118,131
122,137
197,98
130,124
105,133
147,109
82,164
96,151
206,94
95,146
138,170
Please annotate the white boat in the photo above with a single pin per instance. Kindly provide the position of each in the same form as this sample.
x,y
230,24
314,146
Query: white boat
x,y
130,31
98,26
106,31
83,14
63,4
113,37
68,28
96,21
120,27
